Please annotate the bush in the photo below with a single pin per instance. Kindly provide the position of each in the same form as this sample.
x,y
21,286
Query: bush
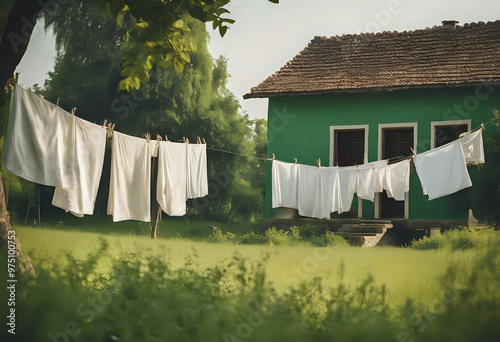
x,y
277,237
147,299
253,239
460,239
332,239
219,237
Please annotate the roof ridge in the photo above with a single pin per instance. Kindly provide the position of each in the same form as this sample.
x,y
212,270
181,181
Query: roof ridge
x,y
395,32
464,55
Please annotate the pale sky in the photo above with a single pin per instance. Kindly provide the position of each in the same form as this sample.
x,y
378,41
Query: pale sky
x,y
266,36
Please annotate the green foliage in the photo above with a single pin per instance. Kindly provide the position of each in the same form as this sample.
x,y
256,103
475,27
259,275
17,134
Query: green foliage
x,y
148,298
219,237
460,239
468,305
277,237
155,31
253,238
485,194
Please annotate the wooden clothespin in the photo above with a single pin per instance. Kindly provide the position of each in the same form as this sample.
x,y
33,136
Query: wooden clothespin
x,y
166,138
17,76
148,137
105,121
57,103
414,154
198,140
319,162
158,137
187,141
274,157
73,111
204,142
295,159
482,126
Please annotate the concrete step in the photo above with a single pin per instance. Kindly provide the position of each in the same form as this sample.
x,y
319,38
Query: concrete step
x,y
356,234
363,229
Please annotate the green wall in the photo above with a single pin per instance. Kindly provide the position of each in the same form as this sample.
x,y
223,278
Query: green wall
x,y
299,127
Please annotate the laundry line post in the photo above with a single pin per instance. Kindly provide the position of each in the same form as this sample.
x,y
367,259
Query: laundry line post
x,y
155,206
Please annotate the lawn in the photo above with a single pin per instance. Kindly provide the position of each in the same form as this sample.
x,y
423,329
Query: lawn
x,y
181,287
406,273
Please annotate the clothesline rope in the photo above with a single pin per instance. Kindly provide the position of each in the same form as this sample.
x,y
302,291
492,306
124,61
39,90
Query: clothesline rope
x,y
238,154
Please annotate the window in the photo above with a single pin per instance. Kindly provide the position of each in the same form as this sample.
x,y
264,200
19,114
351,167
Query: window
x,y
350,147
348,144
443,132
446,134
398,142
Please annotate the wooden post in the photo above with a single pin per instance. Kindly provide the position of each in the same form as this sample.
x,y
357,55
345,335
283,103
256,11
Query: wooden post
x,y
155,206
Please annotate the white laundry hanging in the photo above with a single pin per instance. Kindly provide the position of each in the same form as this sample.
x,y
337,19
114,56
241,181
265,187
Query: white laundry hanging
x,y
347,180
472,145
171,192
197,179
442,171
47,145
284,184
89,143
307,189
37,145
327,193
368,180
129,187
397,180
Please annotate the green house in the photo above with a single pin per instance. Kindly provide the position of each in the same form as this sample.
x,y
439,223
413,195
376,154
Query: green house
x,y
359,98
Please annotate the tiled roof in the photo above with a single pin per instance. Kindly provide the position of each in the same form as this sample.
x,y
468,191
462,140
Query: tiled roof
x,y
434,57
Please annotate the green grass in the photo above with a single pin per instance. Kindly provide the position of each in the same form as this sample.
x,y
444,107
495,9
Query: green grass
x,y
124,286
407,273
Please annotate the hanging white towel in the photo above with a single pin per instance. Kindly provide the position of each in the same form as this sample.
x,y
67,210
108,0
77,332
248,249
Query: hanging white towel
x,y
328,193
472,145
197,178
365,184
88,141
284,184
38,142
442,171
379,176
129,187
370,179
171,192
49,146
307,189
397,180
347,177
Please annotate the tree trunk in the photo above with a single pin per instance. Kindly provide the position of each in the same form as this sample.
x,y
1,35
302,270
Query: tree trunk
x,y
17,34
23,262
13,45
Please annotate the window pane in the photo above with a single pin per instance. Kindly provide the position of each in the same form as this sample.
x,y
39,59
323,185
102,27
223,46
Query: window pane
x,y
446,134
350,146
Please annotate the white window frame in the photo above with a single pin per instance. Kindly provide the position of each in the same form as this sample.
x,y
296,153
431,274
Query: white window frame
x,y
381,127
346,128
435,124
333,129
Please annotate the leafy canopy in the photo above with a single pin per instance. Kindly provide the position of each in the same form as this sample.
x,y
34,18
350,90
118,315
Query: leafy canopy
x,y
158,36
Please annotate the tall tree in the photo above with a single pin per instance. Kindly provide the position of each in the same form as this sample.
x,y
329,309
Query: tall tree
x,y
189,104
157,38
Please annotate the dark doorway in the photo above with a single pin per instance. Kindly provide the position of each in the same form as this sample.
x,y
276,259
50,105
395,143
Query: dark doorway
x,y
349,147
396,144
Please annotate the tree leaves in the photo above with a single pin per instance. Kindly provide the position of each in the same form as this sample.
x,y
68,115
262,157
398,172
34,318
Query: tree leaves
x,y
160,30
